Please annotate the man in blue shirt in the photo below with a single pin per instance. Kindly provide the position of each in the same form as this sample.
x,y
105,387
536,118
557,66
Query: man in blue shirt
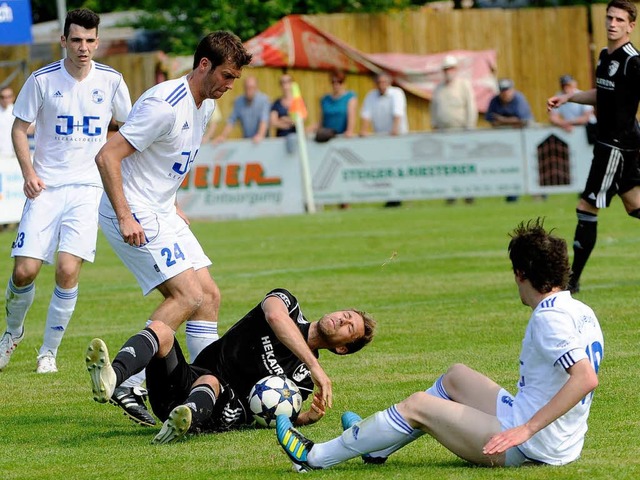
x,y
509,108
251,110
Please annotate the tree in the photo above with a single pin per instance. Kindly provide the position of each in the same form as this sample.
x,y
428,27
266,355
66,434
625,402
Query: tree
x,y
181,25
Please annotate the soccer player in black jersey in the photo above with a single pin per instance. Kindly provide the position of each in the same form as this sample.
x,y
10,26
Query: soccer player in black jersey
x,y
615,168
211,394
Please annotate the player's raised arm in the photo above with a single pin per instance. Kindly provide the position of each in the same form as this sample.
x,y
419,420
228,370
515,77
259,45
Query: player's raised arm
x,y
276,313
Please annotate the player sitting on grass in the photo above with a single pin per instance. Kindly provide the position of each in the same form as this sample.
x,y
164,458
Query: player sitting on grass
x,y
471,415
211,394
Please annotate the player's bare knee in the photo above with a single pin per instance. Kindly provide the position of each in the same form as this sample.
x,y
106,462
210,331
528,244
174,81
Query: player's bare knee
x,y
165,336
415,409
209,380
23,275
454,376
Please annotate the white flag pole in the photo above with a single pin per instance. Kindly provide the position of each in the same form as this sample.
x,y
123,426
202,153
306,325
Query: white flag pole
x,y
303,155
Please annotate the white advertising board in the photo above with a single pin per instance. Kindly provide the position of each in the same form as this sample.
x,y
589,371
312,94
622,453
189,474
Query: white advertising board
x,y
11,196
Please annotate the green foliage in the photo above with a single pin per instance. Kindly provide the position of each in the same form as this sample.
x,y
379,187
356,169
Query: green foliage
x,y
182,24
447,296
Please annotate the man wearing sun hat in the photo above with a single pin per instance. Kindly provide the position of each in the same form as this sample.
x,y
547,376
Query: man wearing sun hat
x,y
453,105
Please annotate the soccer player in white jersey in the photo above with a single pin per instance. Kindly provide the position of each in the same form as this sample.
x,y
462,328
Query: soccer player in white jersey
x,y
142,167
470,414
72,102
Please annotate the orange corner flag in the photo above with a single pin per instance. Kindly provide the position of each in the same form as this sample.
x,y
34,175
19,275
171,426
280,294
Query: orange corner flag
x,y
297,104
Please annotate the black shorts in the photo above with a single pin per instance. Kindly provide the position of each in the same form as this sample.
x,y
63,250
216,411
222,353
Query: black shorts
x,y
169,383
613,172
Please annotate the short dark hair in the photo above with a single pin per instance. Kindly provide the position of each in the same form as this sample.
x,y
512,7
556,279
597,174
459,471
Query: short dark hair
x,y
625,5
539,256
221,47
82,17
365,339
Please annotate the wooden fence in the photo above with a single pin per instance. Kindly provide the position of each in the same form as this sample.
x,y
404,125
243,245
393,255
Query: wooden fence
x,y
534,47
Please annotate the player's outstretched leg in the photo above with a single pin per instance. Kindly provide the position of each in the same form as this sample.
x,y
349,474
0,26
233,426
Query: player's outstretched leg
x,y
103,377
348,420
295,445
175,426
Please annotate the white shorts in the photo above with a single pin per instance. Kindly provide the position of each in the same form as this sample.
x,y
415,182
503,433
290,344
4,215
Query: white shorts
x,y
64,217
504,411
171,249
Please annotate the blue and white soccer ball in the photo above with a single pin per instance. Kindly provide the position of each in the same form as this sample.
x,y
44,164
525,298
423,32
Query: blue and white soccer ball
x,y
272,396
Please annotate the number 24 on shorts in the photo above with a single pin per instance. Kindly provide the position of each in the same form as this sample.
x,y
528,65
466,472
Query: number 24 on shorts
x,y
172,256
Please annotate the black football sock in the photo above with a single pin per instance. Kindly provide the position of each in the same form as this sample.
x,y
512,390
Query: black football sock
x,y
135,354
583,242
201,401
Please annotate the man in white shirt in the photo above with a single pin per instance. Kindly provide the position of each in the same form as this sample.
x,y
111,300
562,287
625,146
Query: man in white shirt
x,y
142,166
470,414
72,101
6,122
384,109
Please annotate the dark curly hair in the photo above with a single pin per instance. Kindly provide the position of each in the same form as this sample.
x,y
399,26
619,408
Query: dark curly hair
x,y
539,256
220,47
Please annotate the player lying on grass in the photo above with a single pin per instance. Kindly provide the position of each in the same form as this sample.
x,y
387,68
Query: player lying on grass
x,y
471,415
211,394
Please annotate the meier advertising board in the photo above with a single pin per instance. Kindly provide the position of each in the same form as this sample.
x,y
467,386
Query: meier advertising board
x,y
239,179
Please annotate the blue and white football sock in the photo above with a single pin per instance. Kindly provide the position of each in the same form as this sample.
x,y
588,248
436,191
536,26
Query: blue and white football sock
x,y
375,433
18,302
139,378
438,390
61,307
200,333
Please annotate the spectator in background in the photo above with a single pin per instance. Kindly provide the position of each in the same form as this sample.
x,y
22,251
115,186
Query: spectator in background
x,y
509,109
6,122
280,118
251,110
453,104
384,109
338,109
570,114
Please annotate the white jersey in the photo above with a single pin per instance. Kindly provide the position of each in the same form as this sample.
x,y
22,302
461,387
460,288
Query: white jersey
x,y
166,129
72,119
561,332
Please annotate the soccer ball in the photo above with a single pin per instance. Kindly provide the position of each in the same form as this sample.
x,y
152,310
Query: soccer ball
x,y
272,396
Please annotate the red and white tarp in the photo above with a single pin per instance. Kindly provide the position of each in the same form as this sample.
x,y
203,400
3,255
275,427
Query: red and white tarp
x,y
294,42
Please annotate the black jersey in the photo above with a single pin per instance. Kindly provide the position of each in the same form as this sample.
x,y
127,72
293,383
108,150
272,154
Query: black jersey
x,y
618,94
250,350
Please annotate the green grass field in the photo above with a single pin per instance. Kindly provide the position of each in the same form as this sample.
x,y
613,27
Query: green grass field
x,y
436,277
